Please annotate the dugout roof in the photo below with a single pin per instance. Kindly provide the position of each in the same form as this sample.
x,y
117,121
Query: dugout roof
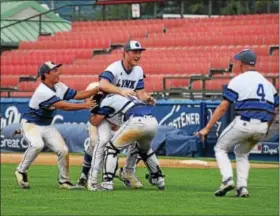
x,y
12,11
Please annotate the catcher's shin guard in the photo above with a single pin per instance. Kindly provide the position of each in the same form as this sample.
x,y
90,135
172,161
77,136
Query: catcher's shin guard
x,y
110,162
155,176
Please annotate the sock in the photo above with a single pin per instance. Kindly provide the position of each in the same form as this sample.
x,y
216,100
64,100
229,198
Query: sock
x,y
86,164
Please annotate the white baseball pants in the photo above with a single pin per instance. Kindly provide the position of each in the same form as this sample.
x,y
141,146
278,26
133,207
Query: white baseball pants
x,y
101,137
242,136
39,136
140,129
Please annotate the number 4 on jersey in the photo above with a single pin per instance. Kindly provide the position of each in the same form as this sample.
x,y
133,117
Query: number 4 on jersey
x,y
260,91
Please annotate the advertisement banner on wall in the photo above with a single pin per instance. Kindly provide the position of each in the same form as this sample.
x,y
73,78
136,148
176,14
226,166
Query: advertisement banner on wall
x,y
182,115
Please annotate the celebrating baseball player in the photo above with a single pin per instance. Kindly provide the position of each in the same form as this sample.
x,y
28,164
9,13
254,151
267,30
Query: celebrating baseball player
x,y
136,124
123,77
97,148
255,101
37,125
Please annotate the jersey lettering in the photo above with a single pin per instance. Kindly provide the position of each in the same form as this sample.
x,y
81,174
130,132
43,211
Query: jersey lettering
x,y
126,83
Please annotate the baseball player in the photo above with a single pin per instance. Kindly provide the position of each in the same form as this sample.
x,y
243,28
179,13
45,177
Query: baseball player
x,y
97,147
255,101
37,125
123,77
136,124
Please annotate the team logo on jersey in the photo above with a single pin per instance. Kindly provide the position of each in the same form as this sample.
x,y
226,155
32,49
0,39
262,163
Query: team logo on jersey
x,y
126,83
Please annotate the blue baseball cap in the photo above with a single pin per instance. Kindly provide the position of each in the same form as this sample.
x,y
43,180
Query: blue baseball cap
x,y
47,67
133,45
246,56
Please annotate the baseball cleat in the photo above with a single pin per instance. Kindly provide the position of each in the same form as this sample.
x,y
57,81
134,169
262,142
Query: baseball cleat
x,y
67,185
104,186
129,179
22,179
225,187
93,187
242,192
82,183
157,181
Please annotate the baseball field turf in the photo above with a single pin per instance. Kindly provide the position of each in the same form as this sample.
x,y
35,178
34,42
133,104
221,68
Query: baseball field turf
x,y
188,192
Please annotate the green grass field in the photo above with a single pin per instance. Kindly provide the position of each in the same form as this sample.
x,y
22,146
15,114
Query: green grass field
x,y
188,192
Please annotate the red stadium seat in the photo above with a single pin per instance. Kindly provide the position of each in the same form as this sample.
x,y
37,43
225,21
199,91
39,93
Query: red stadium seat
x,y
9,81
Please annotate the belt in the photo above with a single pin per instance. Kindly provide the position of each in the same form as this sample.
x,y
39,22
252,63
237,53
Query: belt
x,y
249,119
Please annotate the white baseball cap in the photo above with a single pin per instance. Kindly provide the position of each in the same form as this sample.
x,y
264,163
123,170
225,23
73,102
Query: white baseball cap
x,y
47,67
133,45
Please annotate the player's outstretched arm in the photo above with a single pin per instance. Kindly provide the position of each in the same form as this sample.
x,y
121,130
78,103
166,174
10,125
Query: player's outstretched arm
x,y
106,86
219,112
86,93
63,105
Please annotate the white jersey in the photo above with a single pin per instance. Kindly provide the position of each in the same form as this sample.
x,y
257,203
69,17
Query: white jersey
x,y
40,111
117,75
118,109
254,96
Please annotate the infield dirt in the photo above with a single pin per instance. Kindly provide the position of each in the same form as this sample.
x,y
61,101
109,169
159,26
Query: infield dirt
x,y
51,159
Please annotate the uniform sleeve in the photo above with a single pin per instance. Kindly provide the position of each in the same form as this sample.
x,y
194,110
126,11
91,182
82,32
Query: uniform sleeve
x,y
108,75
231,91
67,93
140,84
110,72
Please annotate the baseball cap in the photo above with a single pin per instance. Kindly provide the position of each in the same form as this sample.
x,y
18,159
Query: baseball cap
x,y
246,56
133,45
47,67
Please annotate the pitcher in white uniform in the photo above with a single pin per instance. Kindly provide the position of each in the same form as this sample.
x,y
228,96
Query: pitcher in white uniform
x,y
37,127
255,101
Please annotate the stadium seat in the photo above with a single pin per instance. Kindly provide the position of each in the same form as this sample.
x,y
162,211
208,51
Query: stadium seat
x,y
9,81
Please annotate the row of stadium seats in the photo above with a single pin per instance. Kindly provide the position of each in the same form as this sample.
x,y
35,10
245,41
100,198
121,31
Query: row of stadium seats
x,y
195,51
158,66
121,36
143,28
152,83
230,20
226,29
152,52
66,44
210,41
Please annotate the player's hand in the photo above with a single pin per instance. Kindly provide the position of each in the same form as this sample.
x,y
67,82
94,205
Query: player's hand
x,y
127,92
89,104
151,101
202,133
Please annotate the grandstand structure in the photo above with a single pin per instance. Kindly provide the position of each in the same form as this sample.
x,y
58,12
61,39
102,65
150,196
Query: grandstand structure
x,y
183,56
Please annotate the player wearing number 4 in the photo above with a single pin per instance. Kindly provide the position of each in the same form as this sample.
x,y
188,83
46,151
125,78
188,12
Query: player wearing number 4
x,y
255,101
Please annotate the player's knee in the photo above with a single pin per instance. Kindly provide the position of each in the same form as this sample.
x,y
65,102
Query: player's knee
x,y
38,146
63,151
89,150
219,150
240,155
111,150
